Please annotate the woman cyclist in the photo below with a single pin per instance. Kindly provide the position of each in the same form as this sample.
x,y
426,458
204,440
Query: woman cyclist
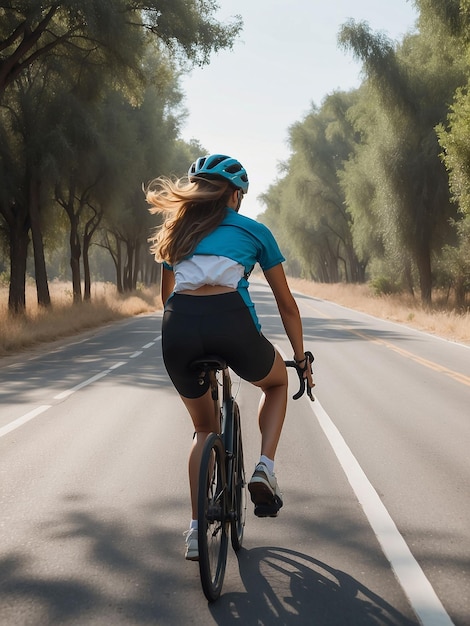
x,y
208,251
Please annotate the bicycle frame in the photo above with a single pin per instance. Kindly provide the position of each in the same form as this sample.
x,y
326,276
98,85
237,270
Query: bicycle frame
x,y
221,486
219,501
223,406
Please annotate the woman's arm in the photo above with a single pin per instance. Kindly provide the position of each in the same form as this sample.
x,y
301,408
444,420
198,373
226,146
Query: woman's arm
x,y
167,284
288,311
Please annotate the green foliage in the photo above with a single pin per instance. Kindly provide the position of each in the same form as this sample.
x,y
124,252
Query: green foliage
x,y
4,279
365,186
454,263
408,88
384,286
455,142
309,201
108,34
90,109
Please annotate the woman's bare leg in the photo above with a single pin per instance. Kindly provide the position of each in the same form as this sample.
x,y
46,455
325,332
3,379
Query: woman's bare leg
x,y
271,414
206,421
272,407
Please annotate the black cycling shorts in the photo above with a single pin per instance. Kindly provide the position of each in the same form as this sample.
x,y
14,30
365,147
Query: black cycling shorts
x,y
195,326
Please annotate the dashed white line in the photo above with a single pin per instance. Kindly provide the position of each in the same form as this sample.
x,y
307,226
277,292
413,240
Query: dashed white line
x,y
116,365
23,419
69,392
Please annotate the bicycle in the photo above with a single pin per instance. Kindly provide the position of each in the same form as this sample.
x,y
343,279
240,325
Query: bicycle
x,y
222,485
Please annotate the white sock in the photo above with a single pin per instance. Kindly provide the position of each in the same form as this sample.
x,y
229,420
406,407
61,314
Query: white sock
x,y
193,525
268,462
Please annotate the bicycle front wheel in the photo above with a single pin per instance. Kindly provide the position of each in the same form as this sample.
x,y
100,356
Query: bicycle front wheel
x,y
238,484
212,517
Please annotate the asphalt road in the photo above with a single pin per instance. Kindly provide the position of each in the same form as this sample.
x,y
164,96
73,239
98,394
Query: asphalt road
x,y
375,474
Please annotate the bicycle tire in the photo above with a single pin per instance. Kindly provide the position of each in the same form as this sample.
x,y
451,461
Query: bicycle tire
x,y
212,517
238,484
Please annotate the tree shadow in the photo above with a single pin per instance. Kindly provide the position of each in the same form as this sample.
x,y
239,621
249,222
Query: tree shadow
x,y
91,568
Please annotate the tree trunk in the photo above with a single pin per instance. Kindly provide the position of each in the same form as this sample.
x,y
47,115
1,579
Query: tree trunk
x,y
19,241
75,254
423,262
86,272
408,274
156,273
42,285
118,263
128,268
137,264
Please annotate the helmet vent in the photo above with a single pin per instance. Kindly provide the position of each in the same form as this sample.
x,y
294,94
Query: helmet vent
x,y
233,169
214,162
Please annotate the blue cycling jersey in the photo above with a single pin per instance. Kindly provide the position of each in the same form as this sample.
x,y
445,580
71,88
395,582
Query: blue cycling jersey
x,y
245,241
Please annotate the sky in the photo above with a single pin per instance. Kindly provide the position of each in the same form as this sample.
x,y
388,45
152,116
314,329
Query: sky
x,y
285,60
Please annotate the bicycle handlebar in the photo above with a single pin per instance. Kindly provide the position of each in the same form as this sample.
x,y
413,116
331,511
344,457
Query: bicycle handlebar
x,y
304,386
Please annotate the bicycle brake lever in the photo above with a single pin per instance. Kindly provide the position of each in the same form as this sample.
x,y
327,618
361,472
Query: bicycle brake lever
x,y
302,381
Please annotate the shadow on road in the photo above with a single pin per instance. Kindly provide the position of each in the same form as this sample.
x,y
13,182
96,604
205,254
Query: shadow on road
x,y
286,587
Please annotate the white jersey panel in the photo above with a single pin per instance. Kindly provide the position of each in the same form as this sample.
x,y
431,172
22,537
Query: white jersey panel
x,y
207,269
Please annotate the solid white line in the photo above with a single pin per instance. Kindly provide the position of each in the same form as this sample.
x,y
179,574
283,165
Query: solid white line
x,y
22,420
69,392
148,345
411,577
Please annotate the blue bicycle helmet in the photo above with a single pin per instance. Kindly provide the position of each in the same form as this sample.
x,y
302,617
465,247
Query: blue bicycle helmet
x,y
220,166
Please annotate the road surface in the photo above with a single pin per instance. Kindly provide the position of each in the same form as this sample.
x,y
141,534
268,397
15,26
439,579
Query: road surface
x,y
375,474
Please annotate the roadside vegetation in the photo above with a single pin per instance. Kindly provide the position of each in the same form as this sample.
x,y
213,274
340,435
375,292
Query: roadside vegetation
x,y
442,320
371,207
40,326
90,112
377,185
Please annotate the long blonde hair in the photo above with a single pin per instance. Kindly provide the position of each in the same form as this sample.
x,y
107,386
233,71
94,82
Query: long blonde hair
x,y
192,210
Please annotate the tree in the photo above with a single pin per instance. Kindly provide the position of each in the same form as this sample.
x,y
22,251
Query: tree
x,y
410,87
103,33
312,204
453,138
86,46
141,142
26,160
14,212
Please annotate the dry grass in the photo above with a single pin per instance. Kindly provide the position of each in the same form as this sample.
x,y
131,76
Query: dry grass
x,y
402,308
65,319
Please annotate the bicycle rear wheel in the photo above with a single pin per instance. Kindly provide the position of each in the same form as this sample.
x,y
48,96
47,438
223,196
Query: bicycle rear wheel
x,y
212,521
238,484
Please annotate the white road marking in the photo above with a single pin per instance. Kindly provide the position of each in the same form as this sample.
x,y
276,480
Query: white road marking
x,y
85,383
116,365
418,589
422,597
68,392
23,419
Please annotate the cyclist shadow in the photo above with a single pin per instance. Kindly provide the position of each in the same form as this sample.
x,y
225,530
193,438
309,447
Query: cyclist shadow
x,y
288,587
